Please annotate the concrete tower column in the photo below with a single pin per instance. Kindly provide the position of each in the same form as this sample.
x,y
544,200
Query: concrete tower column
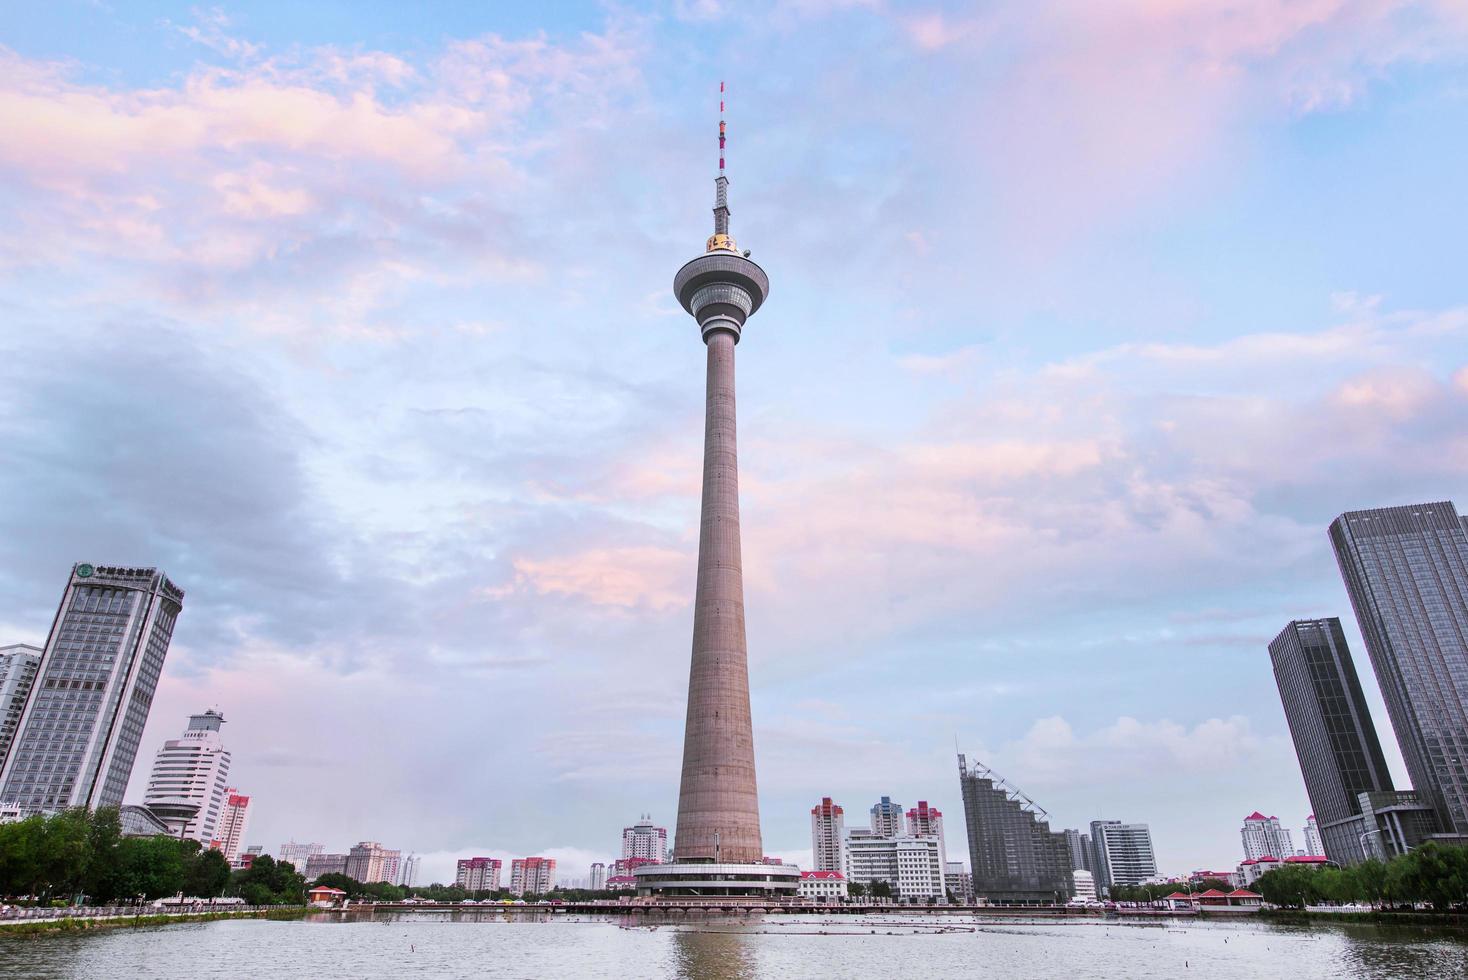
x,y
718,805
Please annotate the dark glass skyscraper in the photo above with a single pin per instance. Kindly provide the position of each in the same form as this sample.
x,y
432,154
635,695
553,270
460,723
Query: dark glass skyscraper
x,y
1014,854
79,732
1335,740
1406,569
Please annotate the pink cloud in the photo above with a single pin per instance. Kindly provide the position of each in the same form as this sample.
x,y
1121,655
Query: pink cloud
x,y
629,578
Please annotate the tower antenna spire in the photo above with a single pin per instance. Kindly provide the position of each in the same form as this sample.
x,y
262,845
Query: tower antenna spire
x,y
721,240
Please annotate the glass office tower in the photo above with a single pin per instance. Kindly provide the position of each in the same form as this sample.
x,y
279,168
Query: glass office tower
x,y
1406,569
80,729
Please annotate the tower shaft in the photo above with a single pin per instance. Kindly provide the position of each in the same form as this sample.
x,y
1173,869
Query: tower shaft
x,y
718,803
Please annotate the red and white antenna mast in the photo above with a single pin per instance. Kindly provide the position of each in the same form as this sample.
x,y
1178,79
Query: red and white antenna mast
x,y
721,239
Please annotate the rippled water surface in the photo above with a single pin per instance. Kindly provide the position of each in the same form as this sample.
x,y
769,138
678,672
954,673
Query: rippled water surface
x,y
489,945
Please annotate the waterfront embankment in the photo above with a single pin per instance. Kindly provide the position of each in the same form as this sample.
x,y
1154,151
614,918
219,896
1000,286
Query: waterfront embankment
x,y
135,918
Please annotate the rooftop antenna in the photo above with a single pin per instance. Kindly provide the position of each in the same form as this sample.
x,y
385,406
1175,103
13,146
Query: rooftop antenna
x,y
721,240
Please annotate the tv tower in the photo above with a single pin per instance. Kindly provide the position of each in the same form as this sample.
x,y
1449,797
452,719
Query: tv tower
x,y
717,848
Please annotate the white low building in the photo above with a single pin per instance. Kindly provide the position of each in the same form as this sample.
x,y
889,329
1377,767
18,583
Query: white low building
x,y
913,866
1085,886
823,886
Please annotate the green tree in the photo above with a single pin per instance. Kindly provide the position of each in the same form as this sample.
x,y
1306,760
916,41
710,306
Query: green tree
x,y
99,875
149,867
266,882
1288,886
881,889
21,846
64,852
1368,881
856,889
207,875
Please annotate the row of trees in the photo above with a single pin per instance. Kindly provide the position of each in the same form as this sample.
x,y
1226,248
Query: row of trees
x,y
1146,894
82,854
1433,873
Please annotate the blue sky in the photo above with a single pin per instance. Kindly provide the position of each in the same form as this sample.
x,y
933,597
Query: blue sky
x,y
1083,326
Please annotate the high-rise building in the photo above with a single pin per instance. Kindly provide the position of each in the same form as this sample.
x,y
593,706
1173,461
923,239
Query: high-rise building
x,y
598,879
1335,740
1406,570
298,854
325,864
643,840
408,871
79,731
478,874
1013,854
1123,853
369,861
1314,846
535,875
718,799
827,836
230,831
1265,837
927,821
18,664
191,773
911,865
1079,845
887,818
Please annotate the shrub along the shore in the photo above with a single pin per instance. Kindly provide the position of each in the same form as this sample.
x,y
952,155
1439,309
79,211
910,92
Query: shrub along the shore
x,y
80,853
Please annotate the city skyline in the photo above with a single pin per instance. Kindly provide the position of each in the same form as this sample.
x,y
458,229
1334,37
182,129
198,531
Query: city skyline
x,y
338,353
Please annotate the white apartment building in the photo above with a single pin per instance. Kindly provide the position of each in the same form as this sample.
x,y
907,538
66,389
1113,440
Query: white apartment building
x,y
913,866
824,886
927,821
1264,837
827,836
18,665
478,874
598,880
299,854
369,861
1085,886
536,875
643,840
887,818
229,834
192,769
1313,844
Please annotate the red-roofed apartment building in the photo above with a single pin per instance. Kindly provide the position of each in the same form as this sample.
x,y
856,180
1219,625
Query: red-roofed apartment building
x,y
1263,837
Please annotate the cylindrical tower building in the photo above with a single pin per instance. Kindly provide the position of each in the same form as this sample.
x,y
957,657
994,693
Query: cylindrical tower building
x,y
717,848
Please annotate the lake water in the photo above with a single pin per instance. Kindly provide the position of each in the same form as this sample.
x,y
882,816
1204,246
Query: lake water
x,y
487,945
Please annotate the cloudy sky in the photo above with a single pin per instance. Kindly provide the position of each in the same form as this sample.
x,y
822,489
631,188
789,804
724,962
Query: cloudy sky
x,y
1086,320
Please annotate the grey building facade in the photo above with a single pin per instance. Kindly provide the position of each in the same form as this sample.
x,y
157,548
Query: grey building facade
x,y
18,665
1014,855
1079,845
1335,739
1406,570
79,732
